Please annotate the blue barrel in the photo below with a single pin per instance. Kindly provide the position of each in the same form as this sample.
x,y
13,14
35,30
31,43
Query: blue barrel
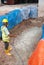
x,y
33,12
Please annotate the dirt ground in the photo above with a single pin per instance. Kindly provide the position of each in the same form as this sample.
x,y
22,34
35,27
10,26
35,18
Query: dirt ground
x,y
28,33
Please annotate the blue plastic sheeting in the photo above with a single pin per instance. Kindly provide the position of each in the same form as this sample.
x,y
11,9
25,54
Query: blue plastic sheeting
x,y
18,15
14,18
43,31
33,12
25,12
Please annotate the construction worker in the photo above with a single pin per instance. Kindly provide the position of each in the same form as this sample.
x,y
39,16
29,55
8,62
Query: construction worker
x,y
6,36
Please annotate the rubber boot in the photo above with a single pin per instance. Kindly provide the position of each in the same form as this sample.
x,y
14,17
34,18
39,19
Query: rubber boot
x,y
7,52
9,48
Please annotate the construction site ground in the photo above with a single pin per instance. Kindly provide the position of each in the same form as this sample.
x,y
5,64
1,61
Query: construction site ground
x,y
27,34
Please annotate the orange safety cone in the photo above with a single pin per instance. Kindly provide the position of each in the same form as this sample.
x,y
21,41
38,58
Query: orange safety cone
x,y
37,58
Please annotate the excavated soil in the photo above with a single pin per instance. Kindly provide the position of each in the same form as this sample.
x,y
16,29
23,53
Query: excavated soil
x,y
27,34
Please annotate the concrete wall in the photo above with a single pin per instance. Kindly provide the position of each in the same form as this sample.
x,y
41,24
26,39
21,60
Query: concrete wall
x,y
41,2
41,8
0,1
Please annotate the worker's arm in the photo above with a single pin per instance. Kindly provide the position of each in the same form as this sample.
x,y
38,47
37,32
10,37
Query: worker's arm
x,y
11,35
8,33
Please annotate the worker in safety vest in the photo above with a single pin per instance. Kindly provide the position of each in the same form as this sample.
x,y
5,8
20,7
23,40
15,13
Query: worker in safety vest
x,y
6,36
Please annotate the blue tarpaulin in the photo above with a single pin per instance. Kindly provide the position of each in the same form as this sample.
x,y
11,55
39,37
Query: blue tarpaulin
x,y
25,12
33,12
18,15
14,18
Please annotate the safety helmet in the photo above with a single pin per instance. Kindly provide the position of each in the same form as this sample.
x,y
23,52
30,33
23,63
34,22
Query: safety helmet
x,y
5,20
